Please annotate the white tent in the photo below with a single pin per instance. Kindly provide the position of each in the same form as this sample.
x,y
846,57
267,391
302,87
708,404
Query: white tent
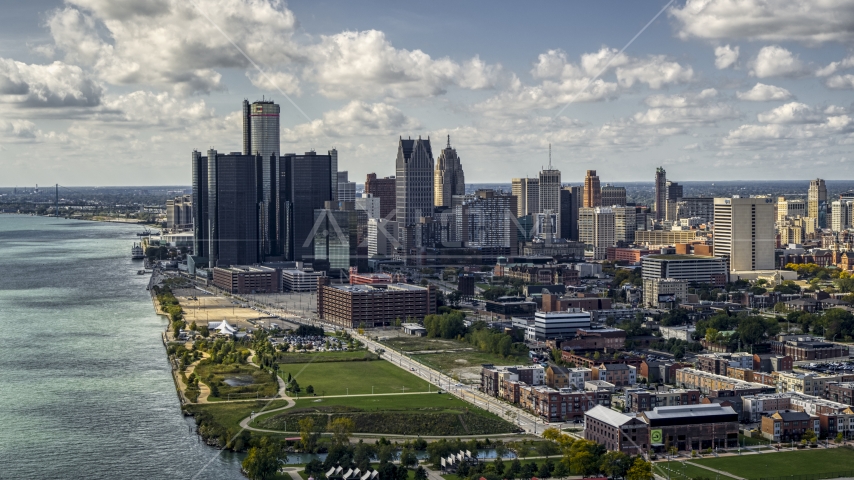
x,y
225,329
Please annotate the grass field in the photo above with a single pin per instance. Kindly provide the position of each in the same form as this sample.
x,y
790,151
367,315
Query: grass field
x,y
353,378
785,464
682,471
424,414
456,358
322,357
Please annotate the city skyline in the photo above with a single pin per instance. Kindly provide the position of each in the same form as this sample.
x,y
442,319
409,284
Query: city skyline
x,y
767,96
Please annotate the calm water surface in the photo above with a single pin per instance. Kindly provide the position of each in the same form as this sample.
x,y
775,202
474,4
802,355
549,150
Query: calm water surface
x,y
85,387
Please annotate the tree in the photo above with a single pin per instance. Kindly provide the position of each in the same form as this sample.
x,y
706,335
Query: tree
x,y
547,449
261,462
408,457
307,433
544,471
561,470
309,389
420,473
498,465
341,428
528,470
615,464
641,470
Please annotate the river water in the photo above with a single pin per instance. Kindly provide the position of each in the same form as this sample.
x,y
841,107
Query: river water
x,y
85,387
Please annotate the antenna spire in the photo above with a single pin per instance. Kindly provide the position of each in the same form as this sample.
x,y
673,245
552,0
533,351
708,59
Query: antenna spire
x,y
449,140
550,156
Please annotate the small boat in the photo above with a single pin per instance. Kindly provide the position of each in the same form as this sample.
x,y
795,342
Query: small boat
x,y
136,253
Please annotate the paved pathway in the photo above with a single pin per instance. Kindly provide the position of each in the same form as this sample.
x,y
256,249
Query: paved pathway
x,y
721,472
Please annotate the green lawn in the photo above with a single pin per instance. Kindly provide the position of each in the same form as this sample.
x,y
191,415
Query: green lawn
x,y
424,414
230,414
683,471
786,464
262,383
322,357
454,357
353,378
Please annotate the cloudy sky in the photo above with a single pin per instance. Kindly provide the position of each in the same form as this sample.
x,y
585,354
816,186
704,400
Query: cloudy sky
x,y
119,92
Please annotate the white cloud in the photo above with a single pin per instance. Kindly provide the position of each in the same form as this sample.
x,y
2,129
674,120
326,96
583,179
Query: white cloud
x,y
792,112
810,22
357,118
365,64
725,56
776,61
764,93
841,82
593,63
55,85
681,100
833,67
142,108
169,43
275,81
18,129
656,71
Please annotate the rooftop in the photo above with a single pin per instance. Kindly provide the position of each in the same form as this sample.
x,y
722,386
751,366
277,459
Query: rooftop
x,y
696,411
608,416
680,256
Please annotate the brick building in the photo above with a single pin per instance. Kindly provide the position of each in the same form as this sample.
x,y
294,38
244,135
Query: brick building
x,y
801,347
640,400
373,305
788,425
242,279
589,360
616,431
609,339
619,374
692,427
556,303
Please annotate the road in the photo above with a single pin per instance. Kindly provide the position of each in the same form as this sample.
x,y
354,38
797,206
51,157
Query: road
x,y
530,423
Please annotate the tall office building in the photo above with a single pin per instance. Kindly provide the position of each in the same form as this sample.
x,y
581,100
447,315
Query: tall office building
x,y
527,193
333,170
690,207
382,237
448,179
841,215
592,190
346,189
261,138
179,213
660,193
385,190
226,231
337,237
674,195
305,187
613,196
787,208
550,191
744,232
201,238
370,204
596,230
413,185
569,197
817,202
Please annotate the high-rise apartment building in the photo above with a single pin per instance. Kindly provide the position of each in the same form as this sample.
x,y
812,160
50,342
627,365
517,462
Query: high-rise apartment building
x,y
413,185
817,202
592,190
486,221
385,190
448,179
613,196
744,232
346,188
527,193
596,227
305,188
841,215
660,193
625,224
696,207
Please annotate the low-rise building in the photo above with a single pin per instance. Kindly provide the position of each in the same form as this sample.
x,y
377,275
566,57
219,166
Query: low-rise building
x,y
806,383
839,392
551,325
619,374
664,292
299,280
692,427
680,332
608,339
492,376
616,431
709,383
804,347
352,306
243,279
788,425
641,400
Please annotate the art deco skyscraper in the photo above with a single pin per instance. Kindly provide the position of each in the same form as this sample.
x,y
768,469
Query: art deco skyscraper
x,y
592,190
817,202
413,185
660,193
448,179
